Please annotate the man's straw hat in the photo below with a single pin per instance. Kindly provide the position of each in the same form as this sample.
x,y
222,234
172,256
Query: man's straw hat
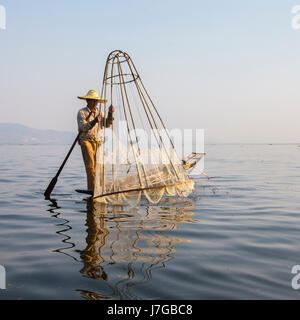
x,y
92,94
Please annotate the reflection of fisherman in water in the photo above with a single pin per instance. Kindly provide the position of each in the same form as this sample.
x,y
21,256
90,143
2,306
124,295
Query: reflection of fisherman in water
x,y
96,233
123,247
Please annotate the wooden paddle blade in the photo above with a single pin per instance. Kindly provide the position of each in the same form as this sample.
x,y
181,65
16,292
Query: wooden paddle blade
x,y
50,187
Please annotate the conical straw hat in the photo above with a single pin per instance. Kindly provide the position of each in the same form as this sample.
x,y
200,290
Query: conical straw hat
x,y
92,94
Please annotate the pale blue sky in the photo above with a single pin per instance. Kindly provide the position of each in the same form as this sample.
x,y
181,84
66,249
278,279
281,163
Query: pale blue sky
x,y
230,67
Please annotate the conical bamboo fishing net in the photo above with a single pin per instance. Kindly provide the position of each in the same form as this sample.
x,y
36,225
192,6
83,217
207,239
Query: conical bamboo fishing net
x,y
137,156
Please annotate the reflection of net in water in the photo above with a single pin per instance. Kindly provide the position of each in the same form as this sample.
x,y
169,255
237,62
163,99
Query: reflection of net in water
x,y
139,157
125,247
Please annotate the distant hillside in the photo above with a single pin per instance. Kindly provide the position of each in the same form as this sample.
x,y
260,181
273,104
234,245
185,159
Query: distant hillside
x,y
11,133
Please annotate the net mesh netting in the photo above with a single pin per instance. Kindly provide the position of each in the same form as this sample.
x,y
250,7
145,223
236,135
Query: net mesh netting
x,y
137,157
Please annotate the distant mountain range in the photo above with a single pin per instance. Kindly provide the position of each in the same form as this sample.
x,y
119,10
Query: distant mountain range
x,y
12,133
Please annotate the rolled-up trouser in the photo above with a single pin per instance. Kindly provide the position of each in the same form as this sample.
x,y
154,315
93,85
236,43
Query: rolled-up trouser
x,y
88,149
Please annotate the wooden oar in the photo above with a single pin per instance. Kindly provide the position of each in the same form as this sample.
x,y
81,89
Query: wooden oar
x,y
54,180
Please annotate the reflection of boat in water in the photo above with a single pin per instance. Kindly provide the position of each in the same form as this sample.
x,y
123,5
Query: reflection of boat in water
x,y
124,247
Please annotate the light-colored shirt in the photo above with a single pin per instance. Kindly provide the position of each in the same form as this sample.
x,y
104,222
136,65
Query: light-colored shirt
x,y
88,132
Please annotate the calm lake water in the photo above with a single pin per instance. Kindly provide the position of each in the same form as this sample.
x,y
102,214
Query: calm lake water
x,y
236,237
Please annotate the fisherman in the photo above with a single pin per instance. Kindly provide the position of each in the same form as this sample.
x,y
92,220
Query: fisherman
x,y
89,123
